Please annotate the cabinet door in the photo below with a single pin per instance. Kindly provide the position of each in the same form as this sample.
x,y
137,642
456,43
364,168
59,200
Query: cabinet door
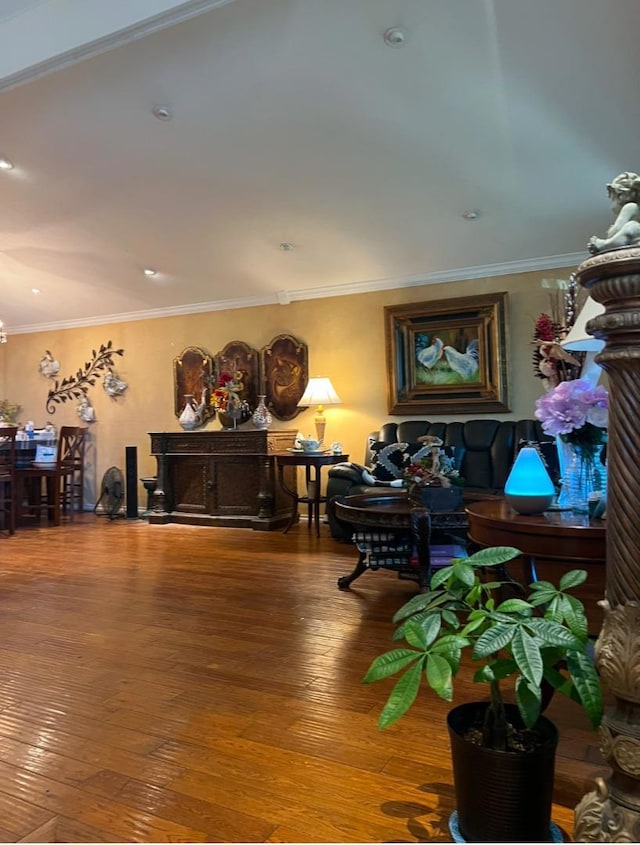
x,y
235,484
189,484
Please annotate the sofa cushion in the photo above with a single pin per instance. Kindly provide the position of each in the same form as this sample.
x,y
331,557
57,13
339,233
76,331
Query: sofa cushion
x,y
391,459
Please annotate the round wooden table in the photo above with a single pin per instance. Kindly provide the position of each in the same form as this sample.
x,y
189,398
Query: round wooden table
x,y
552,535
556,540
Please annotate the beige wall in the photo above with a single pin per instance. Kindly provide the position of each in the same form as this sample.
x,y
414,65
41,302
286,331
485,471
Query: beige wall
x,y
345,336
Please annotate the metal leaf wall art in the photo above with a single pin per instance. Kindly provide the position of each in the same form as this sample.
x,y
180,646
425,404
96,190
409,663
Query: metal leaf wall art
x,y
76,386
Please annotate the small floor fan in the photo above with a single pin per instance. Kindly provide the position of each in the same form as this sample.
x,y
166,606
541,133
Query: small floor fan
x,y
112,493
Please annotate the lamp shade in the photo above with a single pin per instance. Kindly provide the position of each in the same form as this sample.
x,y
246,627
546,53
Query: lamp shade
x,y
529,488
319,391
578,339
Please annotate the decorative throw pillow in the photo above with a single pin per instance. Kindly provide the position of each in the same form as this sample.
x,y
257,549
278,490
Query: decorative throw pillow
x,y
391,459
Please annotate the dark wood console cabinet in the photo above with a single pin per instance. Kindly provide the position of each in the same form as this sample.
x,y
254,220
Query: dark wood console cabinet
x,y
225,478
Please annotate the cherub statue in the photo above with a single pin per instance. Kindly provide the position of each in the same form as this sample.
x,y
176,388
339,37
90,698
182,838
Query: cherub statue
x,y
624,193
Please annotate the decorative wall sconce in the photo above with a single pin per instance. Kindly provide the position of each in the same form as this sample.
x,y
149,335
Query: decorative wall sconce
x,y
529,489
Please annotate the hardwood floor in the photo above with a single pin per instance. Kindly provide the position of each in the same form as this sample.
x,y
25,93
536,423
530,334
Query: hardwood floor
x,y
187,684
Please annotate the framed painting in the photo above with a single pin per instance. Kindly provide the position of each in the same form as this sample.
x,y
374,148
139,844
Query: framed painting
x,y
285,372
193,371
447,356
240,358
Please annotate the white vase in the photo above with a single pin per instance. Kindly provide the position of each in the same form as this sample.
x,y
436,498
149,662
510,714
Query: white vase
x,y
188,419
261,417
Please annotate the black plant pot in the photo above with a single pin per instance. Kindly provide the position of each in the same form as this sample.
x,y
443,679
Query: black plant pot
x,y
501,796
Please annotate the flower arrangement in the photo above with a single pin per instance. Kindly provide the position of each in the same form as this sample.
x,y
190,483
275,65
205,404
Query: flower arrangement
x,y
225,396
551,362
576,412
436,469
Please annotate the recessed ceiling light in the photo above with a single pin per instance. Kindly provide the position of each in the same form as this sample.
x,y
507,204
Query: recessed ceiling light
x,y
5,164
286,247
35,291
149,271
162,112
470,215
395,37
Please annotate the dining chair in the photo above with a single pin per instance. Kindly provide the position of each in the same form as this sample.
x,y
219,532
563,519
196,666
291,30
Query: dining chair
x,y
57,478
8,478
73,485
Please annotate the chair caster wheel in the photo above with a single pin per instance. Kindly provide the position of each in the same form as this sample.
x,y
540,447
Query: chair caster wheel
x,y
343,583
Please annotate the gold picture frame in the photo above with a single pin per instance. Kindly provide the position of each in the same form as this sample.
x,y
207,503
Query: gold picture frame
x,y
447,356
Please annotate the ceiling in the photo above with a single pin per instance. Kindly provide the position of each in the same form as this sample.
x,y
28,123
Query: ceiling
x,y
293,123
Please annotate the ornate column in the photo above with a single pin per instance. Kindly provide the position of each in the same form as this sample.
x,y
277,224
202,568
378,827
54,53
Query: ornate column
x,y
612,812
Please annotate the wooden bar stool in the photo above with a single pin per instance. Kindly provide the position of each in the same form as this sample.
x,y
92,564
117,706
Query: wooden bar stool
x,y
57,478
8,478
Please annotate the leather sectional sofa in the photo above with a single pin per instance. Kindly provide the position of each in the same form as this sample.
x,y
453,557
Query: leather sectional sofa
x,y
484,452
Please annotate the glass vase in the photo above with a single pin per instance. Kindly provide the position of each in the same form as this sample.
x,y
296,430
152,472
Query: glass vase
x,y
585,478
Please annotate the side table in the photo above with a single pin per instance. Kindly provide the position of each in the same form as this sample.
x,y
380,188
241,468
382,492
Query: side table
x,y
312,463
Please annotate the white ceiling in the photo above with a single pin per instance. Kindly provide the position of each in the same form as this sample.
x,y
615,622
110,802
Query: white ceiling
x,y
293,122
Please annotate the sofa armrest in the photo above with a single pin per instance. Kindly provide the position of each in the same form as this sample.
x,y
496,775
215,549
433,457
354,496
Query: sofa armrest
x,y
349,471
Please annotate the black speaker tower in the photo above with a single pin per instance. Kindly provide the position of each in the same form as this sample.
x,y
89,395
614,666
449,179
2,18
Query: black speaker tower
x,y
131,479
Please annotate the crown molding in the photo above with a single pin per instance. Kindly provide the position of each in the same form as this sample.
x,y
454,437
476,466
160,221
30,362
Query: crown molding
x,y
284,297
134,32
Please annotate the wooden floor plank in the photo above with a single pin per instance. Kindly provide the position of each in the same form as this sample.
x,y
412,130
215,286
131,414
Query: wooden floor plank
x,y
176,683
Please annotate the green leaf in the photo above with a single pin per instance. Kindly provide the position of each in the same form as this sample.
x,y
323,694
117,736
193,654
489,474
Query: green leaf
x,y
587,684
464,572
573,579
450,642
421,635
414,605
473,625
575,619
389,663
493,639
503,667
441,576
515,606
542,585
560,683
552,633
451,619
439,676
528,698
526,653
489,586
402,696
493,556
484,675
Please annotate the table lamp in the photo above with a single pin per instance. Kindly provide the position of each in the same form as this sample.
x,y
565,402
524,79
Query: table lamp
x,y
529,488
319,391
579,340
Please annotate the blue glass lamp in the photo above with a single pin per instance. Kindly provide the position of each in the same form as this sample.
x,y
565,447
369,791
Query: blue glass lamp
x,y
529,488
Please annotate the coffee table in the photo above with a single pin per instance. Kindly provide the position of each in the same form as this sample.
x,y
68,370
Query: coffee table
x,y
390,532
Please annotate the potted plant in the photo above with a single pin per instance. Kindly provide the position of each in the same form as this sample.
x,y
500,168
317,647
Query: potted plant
x,y
503,753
